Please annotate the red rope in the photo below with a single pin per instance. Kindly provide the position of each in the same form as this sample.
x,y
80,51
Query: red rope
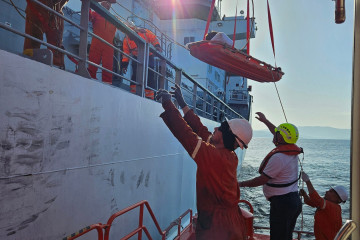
x,y
270,28
209,18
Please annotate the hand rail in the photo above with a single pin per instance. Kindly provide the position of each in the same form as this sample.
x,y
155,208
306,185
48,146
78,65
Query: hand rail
x,y
98,226
177,222
141,227
141,216
346,230
248,203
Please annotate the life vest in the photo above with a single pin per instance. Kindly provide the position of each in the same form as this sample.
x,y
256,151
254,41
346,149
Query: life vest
x,y
288,149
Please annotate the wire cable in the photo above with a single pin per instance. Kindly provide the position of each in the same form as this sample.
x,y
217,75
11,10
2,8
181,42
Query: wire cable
x,y
280,101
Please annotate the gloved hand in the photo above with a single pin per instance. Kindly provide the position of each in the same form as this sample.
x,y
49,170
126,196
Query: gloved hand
x,y
304,176
163,95
178,95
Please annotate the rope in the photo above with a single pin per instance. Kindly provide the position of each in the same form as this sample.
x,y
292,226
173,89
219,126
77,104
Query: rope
x,y
301,162
209,19
16,8
271,30
280,101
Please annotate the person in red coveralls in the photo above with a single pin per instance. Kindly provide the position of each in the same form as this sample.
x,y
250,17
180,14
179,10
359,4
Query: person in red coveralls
x,y
99,51
217,190
327,217
279,176
39,21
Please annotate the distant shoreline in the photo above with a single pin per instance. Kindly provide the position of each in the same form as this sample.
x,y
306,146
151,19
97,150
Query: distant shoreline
x,y
313,132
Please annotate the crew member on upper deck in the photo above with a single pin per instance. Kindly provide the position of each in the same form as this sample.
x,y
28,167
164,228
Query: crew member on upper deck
x,y
100,51
130,48
40,21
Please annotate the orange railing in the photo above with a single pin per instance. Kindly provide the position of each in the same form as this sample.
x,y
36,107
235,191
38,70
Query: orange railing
x,y
99,227
141,226
248,203
106,227
177,223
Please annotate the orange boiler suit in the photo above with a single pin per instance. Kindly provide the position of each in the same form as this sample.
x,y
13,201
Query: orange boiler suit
x,y
39,21
130,48
217,190
328,220
99,51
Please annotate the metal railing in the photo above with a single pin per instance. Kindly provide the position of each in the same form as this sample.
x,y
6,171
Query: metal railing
x,y
103,230
98,227
141,227
206,105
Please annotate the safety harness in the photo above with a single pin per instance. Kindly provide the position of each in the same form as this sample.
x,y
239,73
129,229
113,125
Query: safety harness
x,y
288,149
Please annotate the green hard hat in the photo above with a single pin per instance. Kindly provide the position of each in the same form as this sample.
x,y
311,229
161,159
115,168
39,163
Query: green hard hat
x,y
289,132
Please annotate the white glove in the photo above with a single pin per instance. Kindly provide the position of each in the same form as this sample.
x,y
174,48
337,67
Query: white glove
x,y
304,176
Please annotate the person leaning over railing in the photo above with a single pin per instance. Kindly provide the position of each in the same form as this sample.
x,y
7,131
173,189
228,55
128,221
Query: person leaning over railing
x,y
217,190
100,51
130,48
328,220
39,21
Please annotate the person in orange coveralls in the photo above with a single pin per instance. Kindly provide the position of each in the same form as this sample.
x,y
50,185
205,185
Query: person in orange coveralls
x,y
39,21
130,48
327,217
217,190
99,51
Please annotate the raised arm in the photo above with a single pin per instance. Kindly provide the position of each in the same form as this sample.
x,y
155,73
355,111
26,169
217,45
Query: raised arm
x,y
313,199
190,117
261,117
177,125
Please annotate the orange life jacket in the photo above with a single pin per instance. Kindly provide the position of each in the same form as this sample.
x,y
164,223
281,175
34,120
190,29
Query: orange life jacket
x,y
288,149
130,47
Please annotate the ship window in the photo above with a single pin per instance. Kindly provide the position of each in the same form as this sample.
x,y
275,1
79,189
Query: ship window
x,y
209,69
189,39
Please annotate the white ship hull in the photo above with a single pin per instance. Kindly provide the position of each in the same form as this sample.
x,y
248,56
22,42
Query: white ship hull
x,y
74,151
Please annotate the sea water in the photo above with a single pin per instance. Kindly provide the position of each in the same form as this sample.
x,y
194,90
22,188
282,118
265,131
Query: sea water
x,y
326,161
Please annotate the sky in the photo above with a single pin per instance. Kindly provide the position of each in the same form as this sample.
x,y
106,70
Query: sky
x,y
314,53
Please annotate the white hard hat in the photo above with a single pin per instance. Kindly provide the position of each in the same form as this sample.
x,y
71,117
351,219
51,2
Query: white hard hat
x,y
242,130
341,191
